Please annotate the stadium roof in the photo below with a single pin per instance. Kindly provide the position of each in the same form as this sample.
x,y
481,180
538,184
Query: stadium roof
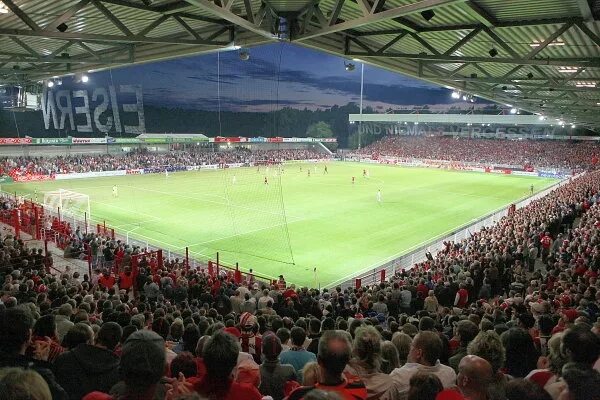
x,y
542,56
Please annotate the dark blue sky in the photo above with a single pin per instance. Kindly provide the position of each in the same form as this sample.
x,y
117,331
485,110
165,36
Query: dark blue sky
x,y
275,76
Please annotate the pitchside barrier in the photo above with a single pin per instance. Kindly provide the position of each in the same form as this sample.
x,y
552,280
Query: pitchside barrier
x,y
201,262
387,268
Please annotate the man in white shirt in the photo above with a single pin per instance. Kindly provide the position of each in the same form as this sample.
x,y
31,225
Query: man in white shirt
x,y
264,299
424,355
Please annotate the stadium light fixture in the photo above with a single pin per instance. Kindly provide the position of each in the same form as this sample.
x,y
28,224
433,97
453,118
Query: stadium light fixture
x,y
567,70
572,126
514,111
244,55
585,84
464,97
541,118
50,84
349,66
537,43
3,8
493,52
455,95
85,78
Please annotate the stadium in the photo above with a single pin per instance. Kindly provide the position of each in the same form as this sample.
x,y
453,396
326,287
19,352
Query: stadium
x,y
389,199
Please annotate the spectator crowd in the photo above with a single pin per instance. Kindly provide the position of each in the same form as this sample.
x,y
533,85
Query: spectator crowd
x,y
520,153
18,166
509,313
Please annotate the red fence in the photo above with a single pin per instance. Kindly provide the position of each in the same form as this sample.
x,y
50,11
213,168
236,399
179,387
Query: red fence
x,y
27,217
103,230
217,268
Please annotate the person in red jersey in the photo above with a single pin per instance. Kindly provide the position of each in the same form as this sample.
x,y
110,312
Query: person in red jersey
x,y
462,296
126,279
220,356
334,354
546,242
106,280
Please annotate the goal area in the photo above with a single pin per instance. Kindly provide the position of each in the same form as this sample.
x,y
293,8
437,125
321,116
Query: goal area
x,y
68,203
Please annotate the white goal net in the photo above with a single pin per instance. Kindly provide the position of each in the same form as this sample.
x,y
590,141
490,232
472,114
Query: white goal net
x,y
69,204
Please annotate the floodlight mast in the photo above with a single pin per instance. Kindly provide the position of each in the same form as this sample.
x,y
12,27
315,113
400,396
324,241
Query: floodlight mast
x,y
362,76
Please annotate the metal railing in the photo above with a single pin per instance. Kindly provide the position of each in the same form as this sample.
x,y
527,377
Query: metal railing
x,y
370,275
409,257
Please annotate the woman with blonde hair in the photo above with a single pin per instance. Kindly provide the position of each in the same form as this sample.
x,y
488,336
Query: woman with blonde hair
x,y
366,364
431,303
402,342
21,384
389,357
310,374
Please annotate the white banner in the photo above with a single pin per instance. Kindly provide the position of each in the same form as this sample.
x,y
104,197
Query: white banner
x,y
525,173
76,140
79,175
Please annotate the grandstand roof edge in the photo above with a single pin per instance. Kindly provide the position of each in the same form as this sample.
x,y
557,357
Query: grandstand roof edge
x,y
453,119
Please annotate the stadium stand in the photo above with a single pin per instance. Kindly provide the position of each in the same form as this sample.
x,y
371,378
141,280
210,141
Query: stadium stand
x,y
511,310
521,153
143,159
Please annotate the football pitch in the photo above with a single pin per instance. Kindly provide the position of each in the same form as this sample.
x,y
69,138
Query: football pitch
x,y
296,222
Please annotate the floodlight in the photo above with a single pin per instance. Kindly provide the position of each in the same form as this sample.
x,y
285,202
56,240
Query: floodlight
x,y
244,55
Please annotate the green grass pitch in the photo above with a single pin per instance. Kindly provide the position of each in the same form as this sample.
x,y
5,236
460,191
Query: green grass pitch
x,y
333,225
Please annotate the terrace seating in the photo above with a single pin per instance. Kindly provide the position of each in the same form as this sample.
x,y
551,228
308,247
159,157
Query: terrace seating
x,y
521,153
480,297
23,166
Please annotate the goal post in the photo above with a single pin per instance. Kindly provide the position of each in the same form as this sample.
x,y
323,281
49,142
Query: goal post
x,y
71,205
